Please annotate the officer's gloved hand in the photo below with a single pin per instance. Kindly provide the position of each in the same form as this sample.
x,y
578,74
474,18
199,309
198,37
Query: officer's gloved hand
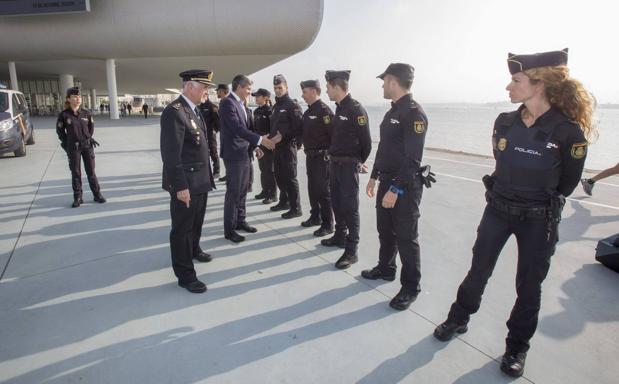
x,y
427,176
94,143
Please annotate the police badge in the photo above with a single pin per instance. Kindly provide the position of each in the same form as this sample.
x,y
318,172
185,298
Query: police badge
x,y
362,120
327,119
502,144
579,150
419,126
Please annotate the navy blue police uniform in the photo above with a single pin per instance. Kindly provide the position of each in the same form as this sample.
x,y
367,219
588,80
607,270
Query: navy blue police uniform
x,y
185,155
396,166
262,123
75,130
211,118
350,147
286,119
536,168
316,125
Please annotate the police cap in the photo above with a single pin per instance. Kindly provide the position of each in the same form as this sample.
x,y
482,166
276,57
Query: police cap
x,y
279,79
73,91
261,92
223,87
310,84
198,75
519,63
332,75
402,71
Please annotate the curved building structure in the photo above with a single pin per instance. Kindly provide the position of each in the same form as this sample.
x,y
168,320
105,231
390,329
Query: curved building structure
x,y
140,46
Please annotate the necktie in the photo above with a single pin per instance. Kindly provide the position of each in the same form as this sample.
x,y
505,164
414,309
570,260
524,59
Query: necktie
x,y
197,112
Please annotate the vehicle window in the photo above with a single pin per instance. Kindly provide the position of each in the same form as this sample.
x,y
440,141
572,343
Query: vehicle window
x,y
23,107
15,104
4,101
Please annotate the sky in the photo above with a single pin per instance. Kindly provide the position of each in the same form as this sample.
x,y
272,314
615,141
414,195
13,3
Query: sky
x,y
458,48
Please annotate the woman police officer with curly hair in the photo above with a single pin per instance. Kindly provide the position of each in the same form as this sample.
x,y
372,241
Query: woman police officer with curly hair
x,y
540,151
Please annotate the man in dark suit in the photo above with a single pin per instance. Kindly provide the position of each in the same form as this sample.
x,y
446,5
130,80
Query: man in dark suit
x,y
187,176
235,140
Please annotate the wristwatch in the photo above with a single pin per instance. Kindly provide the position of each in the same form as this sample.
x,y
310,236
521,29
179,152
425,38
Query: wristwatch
x,y
396,190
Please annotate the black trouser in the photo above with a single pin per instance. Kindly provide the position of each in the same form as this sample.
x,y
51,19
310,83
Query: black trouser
x,y
212,148
318,188
344,184
75,156
185,234
398,233
267,174
237,181
285,166
145,113
535,247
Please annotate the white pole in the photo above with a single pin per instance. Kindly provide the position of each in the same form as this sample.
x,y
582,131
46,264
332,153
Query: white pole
x,y
13,75
110,67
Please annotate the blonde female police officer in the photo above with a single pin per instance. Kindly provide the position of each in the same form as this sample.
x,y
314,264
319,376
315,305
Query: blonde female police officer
x,y
540,151
75,127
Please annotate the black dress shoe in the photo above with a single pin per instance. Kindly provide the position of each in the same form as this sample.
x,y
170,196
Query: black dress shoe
x,y
195,286
269,200
403,299
77,202
322,231
292,214
100,199
376,273
261,195
512,364
311,222
280,207
202,257
223,178
334,241
234,237
448,329
346,260
246,227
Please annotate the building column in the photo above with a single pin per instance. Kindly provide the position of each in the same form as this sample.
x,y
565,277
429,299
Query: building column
x,y
66,82
110,68
13,75
95,105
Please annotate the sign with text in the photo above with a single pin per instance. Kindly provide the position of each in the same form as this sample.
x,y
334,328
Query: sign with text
x,y
38,7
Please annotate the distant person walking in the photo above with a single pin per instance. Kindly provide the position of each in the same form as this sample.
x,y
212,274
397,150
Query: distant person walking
x,y
129,108
145,110
588,184
75,127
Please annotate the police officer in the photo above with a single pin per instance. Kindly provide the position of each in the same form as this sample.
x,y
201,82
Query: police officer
x,y
211,118
398,159
351,145
286,120
316,125
75,127
262,123
540,152
187,175
222,91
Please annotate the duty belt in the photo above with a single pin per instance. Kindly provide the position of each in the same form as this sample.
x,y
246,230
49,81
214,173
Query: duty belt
x,y
523,213
316,152
344,159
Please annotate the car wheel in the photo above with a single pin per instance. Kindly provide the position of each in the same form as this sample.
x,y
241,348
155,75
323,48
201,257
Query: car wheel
x,y
21,151
30,140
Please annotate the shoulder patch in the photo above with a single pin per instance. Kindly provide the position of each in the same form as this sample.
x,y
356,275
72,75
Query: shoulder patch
x,y
59,125
362,120
419,126
579,150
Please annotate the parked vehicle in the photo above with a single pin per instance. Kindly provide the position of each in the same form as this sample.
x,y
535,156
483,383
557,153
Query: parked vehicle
x,y
16,128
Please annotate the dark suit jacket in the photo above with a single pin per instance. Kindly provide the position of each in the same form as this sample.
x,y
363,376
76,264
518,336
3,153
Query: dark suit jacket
x,y
184,150
235,134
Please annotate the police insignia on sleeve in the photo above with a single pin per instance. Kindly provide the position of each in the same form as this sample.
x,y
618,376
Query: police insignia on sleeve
x,y
362,120
579,150
327,119
59,125
419,126
502,144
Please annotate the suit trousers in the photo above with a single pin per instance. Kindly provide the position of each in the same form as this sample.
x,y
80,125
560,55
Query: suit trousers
x,y
237,183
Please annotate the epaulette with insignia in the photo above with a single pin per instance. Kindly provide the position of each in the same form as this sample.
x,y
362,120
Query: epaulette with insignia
x,y
176,106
